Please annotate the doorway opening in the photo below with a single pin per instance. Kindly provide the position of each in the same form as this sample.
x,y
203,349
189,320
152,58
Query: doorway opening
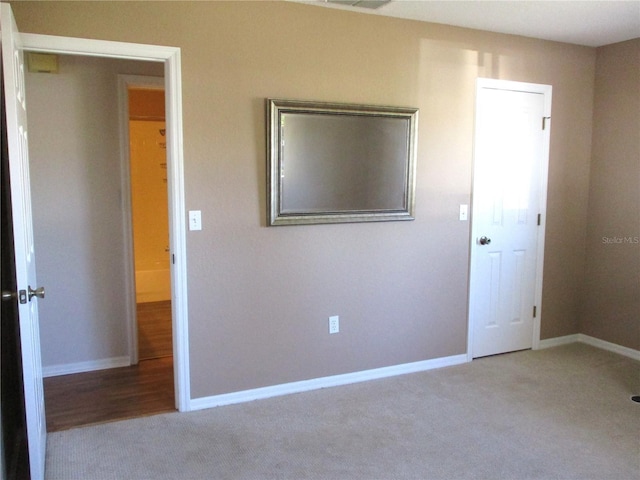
x,y
175,392
150,220
106,203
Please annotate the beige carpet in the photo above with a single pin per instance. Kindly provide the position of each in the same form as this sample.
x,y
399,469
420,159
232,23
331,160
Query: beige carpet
x,y
559,413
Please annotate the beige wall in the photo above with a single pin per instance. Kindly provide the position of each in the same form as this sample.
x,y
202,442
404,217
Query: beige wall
x,y
611,302
259,297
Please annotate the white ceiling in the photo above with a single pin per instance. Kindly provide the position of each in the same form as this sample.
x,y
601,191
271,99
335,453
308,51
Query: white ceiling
x,y
592,23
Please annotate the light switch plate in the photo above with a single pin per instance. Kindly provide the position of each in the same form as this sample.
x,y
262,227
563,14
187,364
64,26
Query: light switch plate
x,y
464,212
195,220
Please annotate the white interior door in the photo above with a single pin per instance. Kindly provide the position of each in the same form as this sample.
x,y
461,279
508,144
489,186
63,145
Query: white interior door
x,y
13,75
509,195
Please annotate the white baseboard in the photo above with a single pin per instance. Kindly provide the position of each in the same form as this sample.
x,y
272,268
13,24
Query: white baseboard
x,y
378,373
594,342
324,382
557,341
612,347
90,366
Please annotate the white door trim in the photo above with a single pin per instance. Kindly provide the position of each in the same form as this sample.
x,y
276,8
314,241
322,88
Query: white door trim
x,y
170,56
124,82
545,90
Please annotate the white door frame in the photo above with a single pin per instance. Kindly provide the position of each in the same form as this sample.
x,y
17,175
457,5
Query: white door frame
x,y
545,90
124,82
170,56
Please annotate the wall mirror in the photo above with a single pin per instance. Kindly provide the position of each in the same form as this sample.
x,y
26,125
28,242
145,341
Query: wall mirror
x,y
335,163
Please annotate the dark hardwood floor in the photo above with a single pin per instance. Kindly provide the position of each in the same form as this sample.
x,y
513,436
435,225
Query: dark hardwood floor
x,y
154,330
119,393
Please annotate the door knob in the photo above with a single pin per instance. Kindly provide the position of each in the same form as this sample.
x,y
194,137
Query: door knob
x,y
7,295
38,292
484,241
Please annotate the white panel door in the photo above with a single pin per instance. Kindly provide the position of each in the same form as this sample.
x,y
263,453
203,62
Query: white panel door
x,y
13,75
507,198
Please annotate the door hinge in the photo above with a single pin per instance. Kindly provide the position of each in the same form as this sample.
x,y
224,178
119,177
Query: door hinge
x,y
173,258
539,219
535,311
544,122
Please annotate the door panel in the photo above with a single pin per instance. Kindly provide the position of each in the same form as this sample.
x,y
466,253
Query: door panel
x,y
509,159
17,135
14,425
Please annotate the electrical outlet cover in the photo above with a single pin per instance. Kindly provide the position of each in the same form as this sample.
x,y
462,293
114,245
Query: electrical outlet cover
x,y
334,324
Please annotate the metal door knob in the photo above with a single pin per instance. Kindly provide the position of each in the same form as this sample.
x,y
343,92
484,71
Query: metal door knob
x,y
38,292
7,295
484,241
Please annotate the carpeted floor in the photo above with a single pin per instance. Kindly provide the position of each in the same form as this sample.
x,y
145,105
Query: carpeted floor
x,y
558,413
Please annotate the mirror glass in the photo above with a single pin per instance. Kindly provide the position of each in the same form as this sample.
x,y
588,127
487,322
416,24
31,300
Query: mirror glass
x,y
332,163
